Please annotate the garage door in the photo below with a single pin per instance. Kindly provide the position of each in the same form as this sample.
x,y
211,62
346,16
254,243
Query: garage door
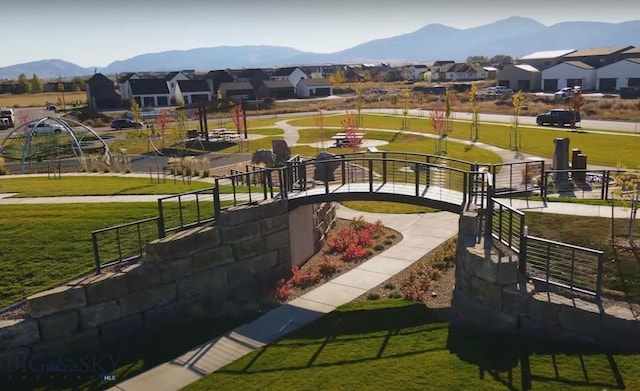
x,y
550,85
607,85
199,98
323,91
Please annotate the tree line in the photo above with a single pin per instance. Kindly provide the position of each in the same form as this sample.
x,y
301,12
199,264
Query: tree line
x,y
35,85
484,60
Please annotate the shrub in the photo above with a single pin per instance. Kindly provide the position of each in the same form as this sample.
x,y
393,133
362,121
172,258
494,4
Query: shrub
x,y
373,296
378,247
303,279
388,242
395,295
342,239
329,266
417,285
389,286
364,238
355,253
283,290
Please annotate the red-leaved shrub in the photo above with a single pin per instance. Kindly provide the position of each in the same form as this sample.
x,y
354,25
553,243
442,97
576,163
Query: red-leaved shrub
x,y
303,279
354,253
283,290
329,266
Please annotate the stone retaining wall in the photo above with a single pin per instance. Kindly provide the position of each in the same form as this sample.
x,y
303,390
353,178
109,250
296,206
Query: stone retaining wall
x,y
491,294
205,272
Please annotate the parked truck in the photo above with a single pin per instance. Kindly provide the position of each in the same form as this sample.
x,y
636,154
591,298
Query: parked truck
x,y
7,113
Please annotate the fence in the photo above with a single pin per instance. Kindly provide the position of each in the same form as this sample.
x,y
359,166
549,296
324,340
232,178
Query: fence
x,y
518,177
580,183
564,265
508,227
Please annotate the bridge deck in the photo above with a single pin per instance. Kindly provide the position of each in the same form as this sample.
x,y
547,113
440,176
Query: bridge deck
x,y
434,193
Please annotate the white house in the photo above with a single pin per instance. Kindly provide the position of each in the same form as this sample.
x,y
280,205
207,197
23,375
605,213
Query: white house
x,y
613,77
192,91
123,84
314,87
569,74
293,75
149,92
172,79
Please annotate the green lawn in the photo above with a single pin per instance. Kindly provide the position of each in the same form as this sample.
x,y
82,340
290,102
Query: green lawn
x,y
43,246
101,186
399,345
387,207
601,149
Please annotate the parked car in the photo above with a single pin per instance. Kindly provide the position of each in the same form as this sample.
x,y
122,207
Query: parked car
x,y
125,123
51,107
567,92
45,128
558,117
498,90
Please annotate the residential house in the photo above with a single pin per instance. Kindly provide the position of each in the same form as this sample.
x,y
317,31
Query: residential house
x,y
215,78
613,77
172,79
149,92
101,93
253,76
545,59
598,57
276,89
439,70
490,73
631,53
462,72
519,77
293,75
354,75
569,74
237,91
314,87
123,84
192,91
414,72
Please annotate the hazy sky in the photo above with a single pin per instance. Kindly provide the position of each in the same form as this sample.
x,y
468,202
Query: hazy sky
x,y
96,33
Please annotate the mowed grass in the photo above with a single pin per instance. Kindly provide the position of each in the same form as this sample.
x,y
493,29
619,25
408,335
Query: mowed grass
x,y
42,246
95,186
400,345
387,207
601,149
40,99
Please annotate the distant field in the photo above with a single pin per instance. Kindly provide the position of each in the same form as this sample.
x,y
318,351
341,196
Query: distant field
x,y
41,99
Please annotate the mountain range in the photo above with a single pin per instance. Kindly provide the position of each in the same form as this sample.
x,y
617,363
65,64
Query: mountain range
x,y
515,36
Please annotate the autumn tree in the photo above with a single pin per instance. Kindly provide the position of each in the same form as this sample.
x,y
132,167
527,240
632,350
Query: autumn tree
x,y
136,111
517,101
351,130
319,118
359,103
36,84
394,103
449,102
81,83
181,119
574,105
475,112
628,192
338,76
23,84
438,123
161,124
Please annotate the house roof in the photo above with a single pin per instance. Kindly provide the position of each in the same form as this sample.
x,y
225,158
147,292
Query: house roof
x,y
490,69
101,86
634,50
231,86
170,75
598,51
284,71
123,77
636,60
320,82
579,64
199,85
547,54
277,84
527,67
148,87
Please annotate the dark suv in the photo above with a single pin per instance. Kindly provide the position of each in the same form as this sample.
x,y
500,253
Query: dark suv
x,y
558,117
125,123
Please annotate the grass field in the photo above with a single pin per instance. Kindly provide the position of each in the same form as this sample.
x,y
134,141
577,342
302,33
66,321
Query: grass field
x,y
399,345
601,149
41,99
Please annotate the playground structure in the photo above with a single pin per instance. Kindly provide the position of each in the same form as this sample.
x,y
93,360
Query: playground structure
x,y
54,140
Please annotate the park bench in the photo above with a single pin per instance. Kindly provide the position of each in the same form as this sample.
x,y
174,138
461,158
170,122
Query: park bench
x,y
342,140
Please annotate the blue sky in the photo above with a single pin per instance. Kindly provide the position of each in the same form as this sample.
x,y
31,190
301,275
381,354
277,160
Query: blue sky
x,y
96,33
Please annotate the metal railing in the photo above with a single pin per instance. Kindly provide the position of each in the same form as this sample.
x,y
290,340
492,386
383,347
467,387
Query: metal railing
x,y
579,183
122,243
564,265
508,227
518,177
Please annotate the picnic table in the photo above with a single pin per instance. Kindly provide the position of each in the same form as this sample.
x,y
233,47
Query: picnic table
x,y
222,134
343,140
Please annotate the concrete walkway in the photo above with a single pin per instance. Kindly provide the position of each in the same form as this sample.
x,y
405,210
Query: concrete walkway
x,y
421,234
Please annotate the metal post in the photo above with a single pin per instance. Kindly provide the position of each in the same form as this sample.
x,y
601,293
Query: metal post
x,y
161,231
370,176
522,257
96,252
384,167
417,178
599,276
216,201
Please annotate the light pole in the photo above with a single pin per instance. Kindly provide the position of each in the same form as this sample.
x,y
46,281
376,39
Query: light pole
x,y
64,104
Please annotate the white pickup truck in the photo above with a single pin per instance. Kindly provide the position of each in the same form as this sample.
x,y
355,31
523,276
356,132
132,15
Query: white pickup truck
x,y
8,114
